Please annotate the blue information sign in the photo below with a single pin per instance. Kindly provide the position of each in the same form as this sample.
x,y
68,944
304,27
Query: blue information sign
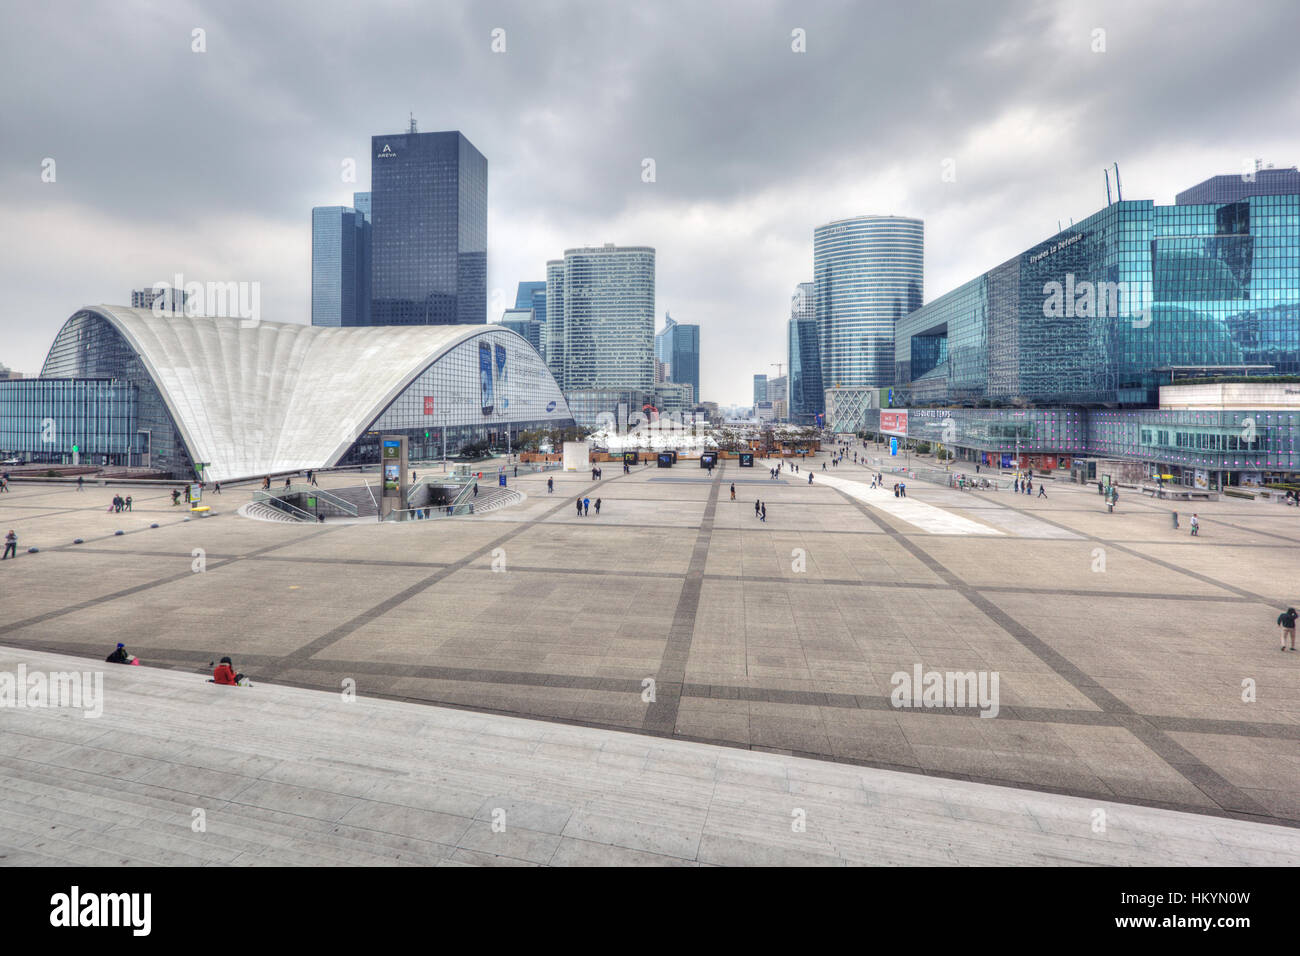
x,y
893,446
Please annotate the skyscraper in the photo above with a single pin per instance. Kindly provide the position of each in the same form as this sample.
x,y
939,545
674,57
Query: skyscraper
x,y
428,200
607,317
553,327
361,203
867,274
340,266
524,323
760,389
532,295
678,347
806,396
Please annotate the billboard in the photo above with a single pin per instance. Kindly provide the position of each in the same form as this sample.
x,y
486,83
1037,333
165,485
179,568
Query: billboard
x,y
708,459
428,404
485,376
666,459
893,423
746,459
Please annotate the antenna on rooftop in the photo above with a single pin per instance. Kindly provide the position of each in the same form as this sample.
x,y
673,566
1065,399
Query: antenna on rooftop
x,y
1106,173
1119,190
412,129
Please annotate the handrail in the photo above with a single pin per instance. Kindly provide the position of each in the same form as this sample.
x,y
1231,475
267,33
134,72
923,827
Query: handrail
x,y
318,492
282,505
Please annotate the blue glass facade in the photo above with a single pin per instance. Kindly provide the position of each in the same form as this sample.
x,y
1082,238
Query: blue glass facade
x,y
1106,311
678,347
43,419
807,397
867,275
429,244
340,267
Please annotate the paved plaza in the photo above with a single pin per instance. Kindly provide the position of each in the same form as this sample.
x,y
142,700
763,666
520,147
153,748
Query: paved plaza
x,y
1137,664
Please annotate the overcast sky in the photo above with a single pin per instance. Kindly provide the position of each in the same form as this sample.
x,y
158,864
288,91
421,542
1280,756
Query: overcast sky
x,y
208,164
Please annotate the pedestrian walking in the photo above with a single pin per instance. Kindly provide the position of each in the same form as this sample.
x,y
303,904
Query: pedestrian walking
x,y
733,491
1042,491
287,483
902,489
756,507
176,497
1174,515
586,507
550,485
764,512
597,507
316,484
81,483
11,547
1285,620
1196,526
128,502
810,477
216,487
579,507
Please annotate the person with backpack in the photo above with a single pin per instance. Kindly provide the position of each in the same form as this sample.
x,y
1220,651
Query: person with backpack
x,y
1286,621
120,656
176,497
1196,526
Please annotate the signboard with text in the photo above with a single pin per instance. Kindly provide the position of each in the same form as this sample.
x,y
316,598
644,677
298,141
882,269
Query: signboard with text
x,y
428,404
893,423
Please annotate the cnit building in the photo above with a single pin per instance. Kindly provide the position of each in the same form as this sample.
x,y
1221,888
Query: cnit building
x,y
1164,338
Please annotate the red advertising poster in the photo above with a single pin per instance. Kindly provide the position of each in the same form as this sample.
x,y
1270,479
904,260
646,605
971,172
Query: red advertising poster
x,y
428,404
1049,462
893,423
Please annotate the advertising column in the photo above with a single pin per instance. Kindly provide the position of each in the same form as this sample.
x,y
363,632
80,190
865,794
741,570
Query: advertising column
x,y
393,471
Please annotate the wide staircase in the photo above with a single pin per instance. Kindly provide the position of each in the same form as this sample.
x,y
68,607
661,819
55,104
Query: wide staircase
x,y
176,771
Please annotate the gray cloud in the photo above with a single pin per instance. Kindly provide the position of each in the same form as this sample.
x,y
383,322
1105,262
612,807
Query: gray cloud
x,y
209,163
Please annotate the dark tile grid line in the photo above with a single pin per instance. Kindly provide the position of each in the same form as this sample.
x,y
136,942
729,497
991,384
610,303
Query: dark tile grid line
x,y
633,685
295,658
661,715
148,585
1220,791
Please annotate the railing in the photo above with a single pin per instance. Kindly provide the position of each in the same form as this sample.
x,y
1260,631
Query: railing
x,y
281,505
342,504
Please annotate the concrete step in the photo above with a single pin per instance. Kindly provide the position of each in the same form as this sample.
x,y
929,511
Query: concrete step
x,y
299,777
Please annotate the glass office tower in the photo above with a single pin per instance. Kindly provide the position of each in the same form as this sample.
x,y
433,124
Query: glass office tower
x,y
678,347
867,274
553,327
760,389
607,317
340,267
1105,312
428,200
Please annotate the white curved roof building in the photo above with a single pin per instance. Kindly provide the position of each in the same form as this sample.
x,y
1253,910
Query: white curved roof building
x,y
248,399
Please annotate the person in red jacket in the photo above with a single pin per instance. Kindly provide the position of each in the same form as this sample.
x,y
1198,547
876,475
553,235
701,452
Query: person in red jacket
x,y
225,673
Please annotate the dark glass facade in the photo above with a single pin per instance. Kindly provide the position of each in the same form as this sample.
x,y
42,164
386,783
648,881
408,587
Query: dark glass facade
x,y
428,201
806,394
340,266
1106,311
